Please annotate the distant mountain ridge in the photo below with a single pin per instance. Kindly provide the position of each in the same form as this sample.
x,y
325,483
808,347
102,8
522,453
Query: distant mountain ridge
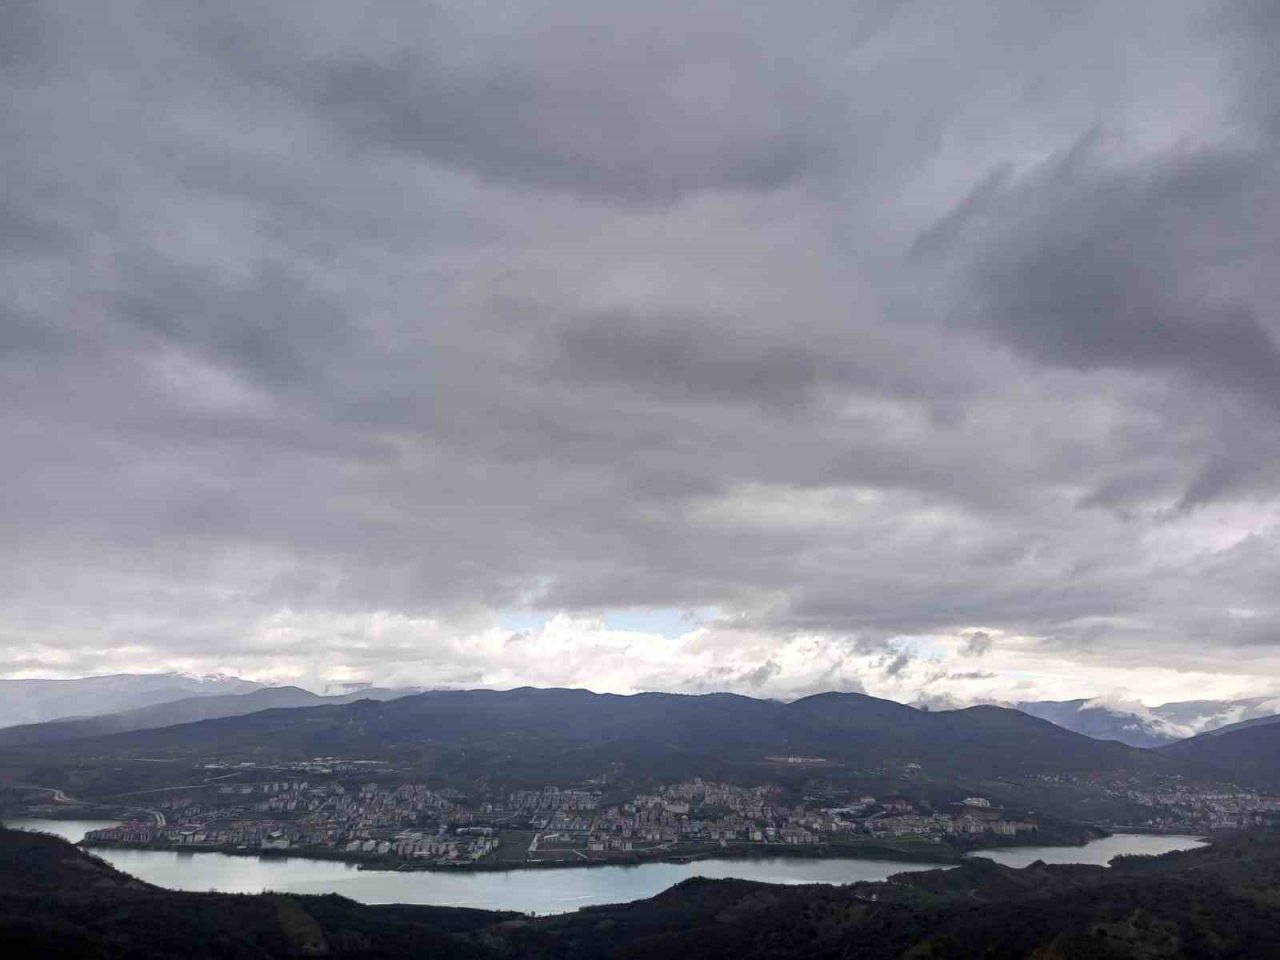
x,y
40,710
1140,726
577,734
186,710
1245,725
39,700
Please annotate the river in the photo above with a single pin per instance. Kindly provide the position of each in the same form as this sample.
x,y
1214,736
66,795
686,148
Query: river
x,y
528,891
1096,852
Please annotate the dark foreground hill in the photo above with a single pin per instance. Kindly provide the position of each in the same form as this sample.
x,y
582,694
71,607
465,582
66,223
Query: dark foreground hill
x,y
562,735
1212,904
56,901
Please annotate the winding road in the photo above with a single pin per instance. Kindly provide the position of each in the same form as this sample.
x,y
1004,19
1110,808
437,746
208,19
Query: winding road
x,y
60,797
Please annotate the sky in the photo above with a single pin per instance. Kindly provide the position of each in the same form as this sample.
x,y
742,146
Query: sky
x,y
927,348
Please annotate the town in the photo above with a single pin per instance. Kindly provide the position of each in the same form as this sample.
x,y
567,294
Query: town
x,y
1182,807
409,825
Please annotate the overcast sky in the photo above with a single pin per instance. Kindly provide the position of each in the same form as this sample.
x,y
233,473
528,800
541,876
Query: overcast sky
x,y
924,348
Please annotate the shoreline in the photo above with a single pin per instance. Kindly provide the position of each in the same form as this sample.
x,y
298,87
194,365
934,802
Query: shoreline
x,y
727,854
947,856
950,853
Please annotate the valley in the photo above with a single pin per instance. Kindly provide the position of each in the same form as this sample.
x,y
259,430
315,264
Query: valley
x,y
529,778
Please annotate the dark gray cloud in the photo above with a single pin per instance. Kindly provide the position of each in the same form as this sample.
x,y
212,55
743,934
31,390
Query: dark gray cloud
x,y
271,327
1088,268
977,644
28,340
614,103
761,675
778,349
22,36
572,131
693,360
1254,28
23,233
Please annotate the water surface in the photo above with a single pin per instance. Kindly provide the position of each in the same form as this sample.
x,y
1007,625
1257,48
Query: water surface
x,y
537,891
1096,852
529,891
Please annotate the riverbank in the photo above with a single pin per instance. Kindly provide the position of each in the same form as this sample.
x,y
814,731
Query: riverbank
x,y
912,853
1049,835
941,856
526,890
516,851
75,810
1099,853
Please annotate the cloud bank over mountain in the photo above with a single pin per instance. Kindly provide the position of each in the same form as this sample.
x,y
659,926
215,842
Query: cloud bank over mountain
x,y
916,347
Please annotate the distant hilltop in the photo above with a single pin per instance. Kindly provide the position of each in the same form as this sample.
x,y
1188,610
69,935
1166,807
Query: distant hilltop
x,y
38,700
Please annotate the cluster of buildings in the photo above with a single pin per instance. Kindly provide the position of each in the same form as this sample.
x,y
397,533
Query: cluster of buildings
x,y
1184,806
549,800
412,823
700,812
405,820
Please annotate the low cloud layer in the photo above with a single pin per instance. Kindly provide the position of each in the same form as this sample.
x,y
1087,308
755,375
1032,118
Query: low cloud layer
x,y
929,349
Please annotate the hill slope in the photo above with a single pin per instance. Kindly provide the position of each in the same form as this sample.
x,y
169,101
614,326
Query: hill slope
x,y
186,710
1250,754
57,901
35,701
1245,725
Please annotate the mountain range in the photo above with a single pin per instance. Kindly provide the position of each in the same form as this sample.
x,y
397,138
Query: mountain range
x,y
1141,726
38,700
564,735
186,710
522,733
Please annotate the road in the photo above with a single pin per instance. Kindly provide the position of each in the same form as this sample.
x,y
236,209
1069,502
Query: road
x,y
181,786
58,795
